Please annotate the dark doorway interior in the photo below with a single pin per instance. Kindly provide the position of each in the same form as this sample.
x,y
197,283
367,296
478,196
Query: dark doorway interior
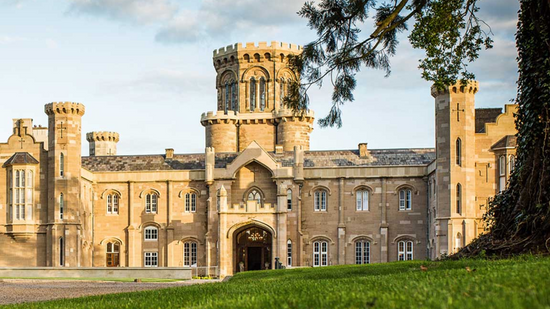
x,y
254,258
252,249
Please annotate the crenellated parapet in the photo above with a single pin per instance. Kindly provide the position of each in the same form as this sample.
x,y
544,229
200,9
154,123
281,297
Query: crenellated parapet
x,y
471,87
102,137
252,48
64,108
219,117
287,115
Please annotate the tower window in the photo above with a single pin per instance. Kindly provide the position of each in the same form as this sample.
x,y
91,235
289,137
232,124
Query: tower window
x,y
262,95
227,98
459,152
252,94
234,97
61,165
61,252
61,206
458,198
289,199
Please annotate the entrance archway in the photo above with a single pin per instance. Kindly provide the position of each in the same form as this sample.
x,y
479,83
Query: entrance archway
x,y
253,247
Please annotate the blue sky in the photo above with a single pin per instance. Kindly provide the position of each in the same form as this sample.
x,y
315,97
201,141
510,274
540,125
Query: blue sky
x,y
143,68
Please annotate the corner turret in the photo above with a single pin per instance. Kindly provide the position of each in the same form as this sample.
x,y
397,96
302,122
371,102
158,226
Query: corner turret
x,y
102,143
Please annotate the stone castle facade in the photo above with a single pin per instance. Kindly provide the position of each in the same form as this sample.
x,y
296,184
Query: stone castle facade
x,y
258,194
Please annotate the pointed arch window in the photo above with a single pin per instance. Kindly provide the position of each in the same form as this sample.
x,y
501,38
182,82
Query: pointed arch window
x,y
234,96
190,202
190,254
61,251
61,206
262,94
61,165
255,195
226,105
459,199
289,253
289,199
252,94
459,152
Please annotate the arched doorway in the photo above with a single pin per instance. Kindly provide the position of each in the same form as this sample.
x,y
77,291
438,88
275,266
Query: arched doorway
x,y
113,254
253,247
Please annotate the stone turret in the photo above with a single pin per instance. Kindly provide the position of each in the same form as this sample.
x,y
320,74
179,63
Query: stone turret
x,y
102,143
251,82
64,178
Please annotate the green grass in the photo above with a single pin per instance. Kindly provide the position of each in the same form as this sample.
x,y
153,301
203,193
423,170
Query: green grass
x,y
96,279
515,283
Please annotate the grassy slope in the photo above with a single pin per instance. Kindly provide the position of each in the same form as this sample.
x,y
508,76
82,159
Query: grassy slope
x,y
517,283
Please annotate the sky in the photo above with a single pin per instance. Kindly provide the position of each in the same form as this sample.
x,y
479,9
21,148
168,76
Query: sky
x,y
143,68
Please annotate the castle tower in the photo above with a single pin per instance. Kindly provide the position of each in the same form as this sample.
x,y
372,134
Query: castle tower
x,y
455,173
102,143
251,83
64,240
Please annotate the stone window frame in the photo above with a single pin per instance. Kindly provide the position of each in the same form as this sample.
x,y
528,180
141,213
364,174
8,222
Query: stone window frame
x,y
403,252
190,253
407,198
363,241
150,259
458,151
362,188
148,205
259,192
288,199
318,252
317,205
112,201
21,193
459,198
151,236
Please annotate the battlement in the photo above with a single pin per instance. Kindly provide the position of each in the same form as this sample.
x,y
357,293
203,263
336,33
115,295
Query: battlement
x,y
253,48
64,108
218,115
472,87
102,137
289,113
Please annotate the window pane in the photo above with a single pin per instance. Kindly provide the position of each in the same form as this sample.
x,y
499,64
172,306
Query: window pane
x,y
358,201
365,200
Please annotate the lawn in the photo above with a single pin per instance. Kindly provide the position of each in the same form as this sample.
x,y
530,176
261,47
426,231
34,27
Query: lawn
x,y
522,282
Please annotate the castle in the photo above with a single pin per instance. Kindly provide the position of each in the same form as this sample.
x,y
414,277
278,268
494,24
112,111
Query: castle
x,y
257,195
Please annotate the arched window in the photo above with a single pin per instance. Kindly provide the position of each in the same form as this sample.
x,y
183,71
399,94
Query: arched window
x,y
151,233
362,200
405,199
190,254
255,195
502,173
320,200
458,198
61,165
282,92
320,253
151,203
226,105
405,250
289,199
190,202
458,241
234,97
289,253
252,94
61,252
113,254
362,252
112,203
512,164
262,95
61,206
458,152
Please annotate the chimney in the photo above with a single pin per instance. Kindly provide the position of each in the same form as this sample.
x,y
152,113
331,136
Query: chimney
x,y
363,151
169,154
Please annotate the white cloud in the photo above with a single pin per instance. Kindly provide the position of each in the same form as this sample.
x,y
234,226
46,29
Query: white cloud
x,y
6,39
133,11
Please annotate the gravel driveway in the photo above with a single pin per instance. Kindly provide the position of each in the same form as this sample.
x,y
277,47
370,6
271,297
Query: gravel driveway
x,y
22,290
